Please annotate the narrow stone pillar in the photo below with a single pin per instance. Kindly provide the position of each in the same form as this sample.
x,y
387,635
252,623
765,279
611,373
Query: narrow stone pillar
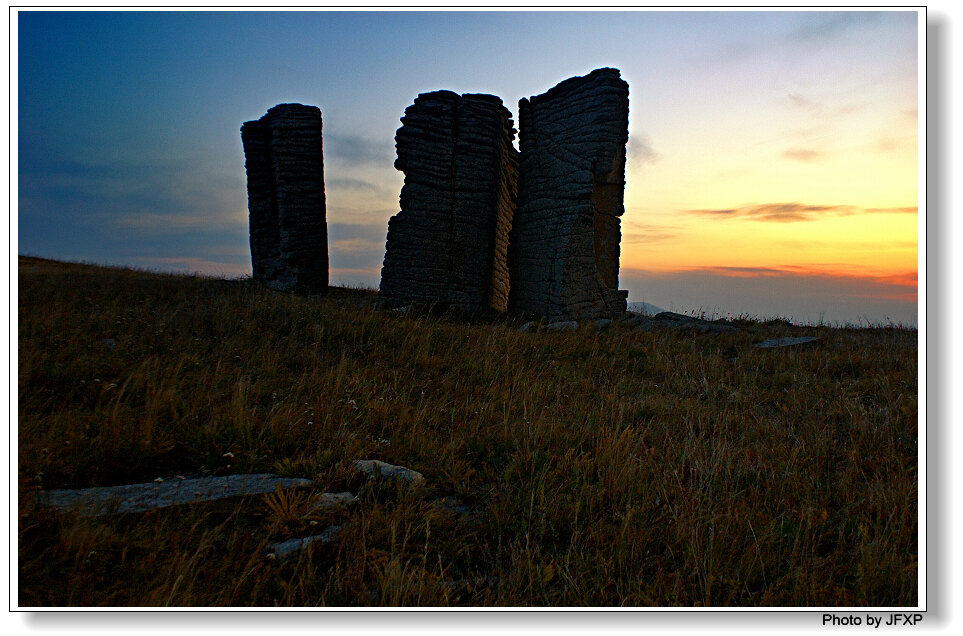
x,y
285,188
449,243
564,246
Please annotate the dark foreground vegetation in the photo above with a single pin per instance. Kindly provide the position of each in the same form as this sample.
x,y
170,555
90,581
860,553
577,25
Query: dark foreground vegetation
x,y
601,467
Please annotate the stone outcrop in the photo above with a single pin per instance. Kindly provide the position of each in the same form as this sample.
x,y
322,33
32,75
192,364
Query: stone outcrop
x,y
285,186
564,245
448,245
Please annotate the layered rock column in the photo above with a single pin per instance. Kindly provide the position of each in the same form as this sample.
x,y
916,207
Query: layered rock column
x,y
285,186
564,246
449,243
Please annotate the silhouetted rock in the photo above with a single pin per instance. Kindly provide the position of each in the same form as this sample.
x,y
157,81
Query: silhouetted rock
x,y
564,245
449,243
285,188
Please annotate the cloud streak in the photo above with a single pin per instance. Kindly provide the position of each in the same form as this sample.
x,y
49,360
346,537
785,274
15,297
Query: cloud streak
x,y
794,212
802,154
635,233
639,150
818,27
355,149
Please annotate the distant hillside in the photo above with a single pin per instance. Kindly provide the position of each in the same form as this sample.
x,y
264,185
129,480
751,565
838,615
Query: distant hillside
x,y
646,309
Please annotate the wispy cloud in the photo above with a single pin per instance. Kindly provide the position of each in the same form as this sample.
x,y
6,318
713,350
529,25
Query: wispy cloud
x,y
802,154
906,279
817,27
794,212
357,185
634,233
800,101
910,209
356,149
148,197
639,150
356,247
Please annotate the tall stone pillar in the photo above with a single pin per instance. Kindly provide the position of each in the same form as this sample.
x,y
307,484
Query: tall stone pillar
x,y
564,246
449,243
285,187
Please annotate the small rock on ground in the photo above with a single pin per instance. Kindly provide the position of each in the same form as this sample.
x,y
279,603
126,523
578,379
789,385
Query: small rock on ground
x,y
773,343
368,466
285,549
333,500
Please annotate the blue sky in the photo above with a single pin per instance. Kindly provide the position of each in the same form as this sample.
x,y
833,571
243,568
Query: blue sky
x,y
129,148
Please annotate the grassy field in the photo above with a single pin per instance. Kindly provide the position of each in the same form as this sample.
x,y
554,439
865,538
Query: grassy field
x,y
611,467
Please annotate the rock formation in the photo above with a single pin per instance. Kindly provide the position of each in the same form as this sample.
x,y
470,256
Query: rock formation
x,y
564,245
285,188
449,243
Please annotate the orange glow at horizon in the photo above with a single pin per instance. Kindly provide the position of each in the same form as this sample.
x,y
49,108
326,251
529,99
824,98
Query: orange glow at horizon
x,y
882,244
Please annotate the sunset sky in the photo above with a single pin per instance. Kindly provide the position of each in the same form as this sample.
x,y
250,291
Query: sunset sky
x,y
772,160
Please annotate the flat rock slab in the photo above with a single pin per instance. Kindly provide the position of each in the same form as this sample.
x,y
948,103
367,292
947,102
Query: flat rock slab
x,y
773,343
162,494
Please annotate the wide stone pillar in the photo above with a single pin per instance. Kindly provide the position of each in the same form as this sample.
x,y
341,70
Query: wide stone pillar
x,y
448,245
564,245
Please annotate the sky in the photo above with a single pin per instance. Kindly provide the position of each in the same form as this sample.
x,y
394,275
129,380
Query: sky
x,y
772,158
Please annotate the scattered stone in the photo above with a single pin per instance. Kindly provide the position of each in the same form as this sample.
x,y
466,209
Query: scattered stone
x,y
453,504
162,494
407,309
372,466
285,187
528,326
285,549
563,325
329,500
601,323
110,343
564,245
785,342
449,243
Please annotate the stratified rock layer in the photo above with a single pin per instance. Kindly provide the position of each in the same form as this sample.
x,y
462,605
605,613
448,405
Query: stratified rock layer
x,y
449,243
285,189
564,247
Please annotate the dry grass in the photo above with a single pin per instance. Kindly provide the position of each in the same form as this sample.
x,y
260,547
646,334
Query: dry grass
x,y
607,468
